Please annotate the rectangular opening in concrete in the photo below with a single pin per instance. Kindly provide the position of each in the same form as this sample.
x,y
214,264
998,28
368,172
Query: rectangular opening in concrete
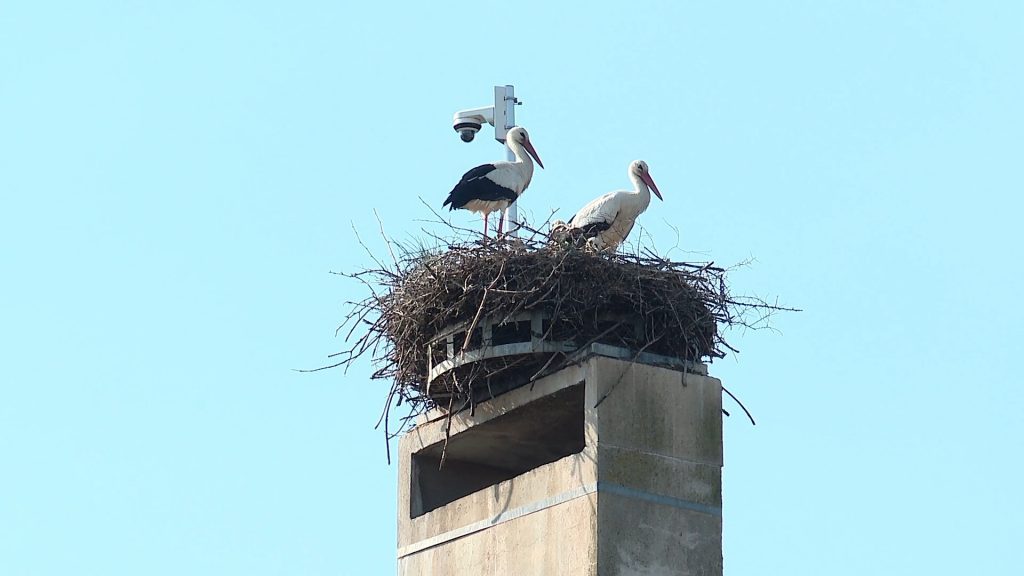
x,y
510,333
543,431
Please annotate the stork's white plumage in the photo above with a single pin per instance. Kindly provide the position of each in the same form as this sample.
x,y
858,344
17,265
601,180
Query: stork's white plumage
x,y
607,220
493,187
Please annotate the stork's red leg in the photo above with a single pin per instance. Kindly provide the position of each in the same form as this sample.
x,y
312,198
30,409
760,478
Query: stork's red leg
x,y
486,216
501,222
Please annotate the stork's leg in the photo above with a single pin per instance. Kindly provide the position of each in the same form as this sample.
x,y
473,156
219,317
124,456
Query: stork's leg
x,y
501,223
486,216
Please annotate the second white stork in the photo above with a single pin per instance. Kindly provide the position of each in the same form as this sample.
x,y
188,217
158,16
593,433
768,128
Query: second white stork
x,y
606,221
494,187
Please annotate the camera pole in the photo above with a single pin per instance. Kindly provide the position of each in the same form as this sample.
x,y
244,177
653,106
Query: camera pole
x,y
505,99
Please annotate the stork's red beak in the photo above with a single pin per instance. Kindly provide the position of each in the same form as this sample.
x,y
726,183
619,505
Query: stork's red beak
x,y
646,177
530,150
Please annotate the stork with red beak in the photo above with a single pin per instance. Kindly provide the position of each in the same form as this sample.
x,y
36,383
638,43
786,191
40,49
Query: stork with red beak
x,y
493,187
606,221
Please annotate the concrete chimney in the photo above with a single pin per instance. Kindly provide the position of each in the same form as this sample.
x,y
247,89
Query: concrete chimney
x,y
604,468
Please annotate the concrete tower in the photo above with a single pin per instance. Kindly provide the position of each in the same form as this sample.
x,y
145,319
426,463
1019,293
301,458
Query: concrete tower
x,y
604,468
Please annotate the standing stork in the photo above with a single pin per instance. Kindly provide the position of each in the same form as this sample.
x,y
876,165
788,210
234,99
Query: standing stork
x,y
493,187
606,221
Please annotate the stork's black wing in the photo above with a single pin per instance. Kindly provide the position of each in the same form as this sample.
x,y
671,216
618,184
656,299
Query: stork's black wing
x,y
590,229
476,186
478,172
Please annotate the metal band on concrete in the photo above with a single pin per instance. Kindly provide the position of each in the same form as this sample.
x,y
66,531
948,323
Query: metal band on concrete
x,y
508,515
626,491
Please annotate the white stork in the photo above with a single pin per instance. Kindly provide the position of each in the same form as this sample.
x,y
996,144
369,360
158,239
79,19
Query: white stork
x,y
493,187
606,221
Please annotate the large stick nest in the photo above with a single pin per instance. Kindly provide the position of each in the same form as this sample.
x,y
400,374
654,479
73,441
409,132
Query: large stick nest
x,y
640,301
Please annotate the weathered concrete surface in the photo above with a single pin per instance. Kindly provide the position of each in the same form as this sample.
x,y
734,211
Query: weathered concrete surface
x,y
643,497
554,541
651,539
659,464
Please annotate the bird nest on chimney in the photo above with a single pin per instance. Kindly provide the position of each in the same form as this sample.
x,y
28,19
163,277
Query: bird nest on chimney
x,y
454,325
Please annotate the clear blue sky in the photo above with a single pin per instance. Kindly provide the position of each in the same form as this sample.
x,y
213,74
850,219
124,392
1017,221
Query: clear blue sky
x,y
178,178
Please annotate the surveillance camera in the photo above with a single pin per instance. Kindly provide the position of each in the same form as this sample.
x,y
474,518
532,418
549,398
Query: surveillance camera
x,y
467,130
468,122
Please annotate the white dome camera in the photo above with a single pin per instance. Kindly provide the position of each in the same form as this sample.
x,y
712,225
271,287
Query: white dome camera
x,y
468,122
467,130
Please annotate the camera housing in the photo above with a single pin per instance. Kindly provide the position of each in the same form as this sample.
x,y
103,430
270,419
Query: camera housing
x,y
468,122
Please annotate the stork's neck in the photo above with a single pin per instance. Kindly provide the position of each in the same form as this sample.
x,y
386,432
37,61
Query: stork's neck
x,y
640,188
520,152
523,163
